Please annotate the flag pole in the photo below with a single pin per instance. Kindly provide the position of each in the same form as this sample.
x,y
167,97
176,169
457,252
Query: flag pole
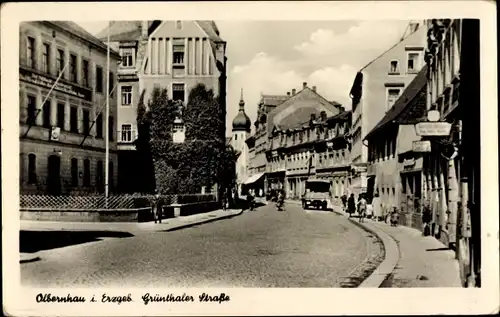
x,y
106,184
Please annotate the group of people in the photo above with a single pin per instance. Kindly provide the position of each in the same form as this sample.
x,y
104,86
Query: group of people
x,y
373,210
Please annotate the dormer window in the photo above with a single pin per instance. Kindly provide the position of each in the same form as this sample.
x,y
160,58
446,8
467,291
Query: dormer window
x,y
394,67
178,25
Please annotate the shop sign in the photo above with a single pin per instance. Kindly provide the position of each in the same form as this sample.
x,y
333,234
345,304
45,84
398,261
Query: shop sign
x,y
421,146
48,82
408,162
433,128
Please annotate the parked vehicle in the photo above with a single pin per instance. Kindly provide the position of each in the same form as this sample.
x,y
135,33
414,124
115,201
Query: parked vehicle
x,y
317,194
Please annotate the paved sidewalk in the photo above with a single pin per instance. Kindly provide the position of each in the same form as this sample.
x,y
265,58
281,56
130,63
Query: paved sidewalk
x,y
132,227
423,261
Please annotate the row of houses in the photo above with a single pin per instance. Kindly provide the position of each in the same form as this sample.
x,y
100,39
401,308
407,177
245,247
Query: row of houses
x,y
427,145
62,96
412,137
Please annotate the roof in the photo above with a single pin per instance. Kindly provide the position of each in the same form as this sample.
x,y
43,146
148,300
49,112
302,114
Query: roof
x,y
404,101
131,30
77,30
344,115
273,100
308,105
211,29
121,31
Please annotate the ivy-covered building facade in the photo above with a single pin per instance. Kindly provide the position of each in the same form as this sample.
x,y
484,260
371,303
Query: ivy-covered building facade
x,y
174,56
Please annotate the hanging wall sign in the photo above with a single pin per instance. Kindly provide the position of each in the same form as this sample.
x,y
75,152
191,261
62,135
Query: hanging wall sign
x,y
421,146
433,128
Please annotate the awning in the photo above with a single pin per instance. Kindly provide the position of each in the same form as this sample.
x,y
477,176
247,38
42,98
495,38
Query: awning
x,y
254,178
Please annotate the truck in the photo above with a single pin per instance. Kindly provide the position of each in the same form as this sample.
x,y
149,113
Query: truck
x,y
317,194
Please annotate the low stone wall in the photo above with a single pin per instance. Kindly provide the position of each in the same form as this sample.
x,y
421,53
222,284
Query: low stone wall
x,y
79,215
189,209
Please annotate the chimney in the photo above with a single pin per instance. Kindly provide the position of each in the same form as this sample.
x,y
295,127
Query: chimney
x,y
288,93
304,85
323,115
293,92
314,88
313,116
144,29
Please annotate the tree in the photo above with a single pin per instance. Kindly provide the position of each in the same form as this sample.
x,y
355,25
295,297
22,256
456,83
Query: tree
x,y
202,160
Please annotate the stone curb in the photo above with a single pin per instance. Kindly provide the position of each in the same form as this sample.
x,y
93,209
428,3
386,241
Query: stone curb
x,y
391,256
28,257
200,222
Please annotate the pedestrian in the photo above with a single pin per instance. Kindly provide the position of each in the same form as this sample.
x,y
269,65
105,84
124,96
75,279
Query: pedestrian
x,y
344,201
156,208
362,208
260,192
426,220
394,217
377,207
224,200
351,205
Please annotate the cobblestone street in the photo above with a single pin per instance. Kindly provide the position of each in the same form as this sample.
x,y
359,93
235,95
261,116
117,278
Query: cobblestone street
x,y
261,248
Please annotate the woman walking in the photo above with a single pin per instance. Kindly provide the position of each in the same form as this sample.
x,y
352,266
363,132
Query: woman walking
x,y
351,205
362,208
377,207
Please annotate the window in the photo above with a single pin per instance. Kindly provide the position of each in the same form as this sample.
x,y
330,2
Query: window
x,y
86,122
46,113
98,80
111,129
178,51
394,67
73,120
126,132
99,176
60,62
86,172
235,137
111,84
46,58
126,95
31,110
413,62
74,172
128,57
178,25
60,115
99,126
392,96
85,73
72,68
178,92
31,58
31,169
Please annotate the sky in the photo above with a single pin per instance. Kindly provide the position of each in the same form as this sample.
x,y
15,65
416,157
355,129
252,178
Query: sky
x,y
273,57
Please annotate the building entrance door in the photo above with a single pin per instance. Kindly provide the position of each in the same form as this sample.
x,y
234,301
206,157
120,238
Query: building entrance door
x,y
54,175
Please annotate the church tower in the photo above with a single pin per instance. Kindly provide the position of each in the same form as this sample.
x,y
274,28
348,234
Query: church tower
x,y
241,131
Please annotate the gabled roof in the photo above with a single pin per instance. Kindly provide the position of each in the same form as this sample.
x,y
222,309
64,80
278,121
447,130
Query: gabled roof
x,y
211,29
408,100
300,115
77,30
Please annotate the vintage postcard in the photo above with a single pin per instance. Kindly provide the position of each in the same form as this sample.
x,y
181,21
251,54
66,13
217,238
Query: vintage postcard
x,y
249,158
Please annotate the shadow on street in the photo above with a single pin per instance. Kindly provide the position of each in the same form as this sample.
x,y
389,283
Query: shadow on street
x,y
34,241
